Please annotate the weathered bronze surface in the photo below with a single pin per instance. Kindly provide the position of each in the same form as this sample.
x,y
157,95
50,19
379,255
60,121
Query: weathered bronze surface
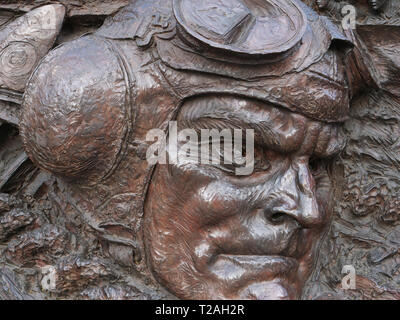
x,y
80,205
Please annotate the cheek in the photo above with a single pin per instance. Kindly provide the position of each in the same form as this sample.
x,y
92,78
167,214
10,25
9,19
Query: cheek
x,y
167,226
217,202
189,201
176,202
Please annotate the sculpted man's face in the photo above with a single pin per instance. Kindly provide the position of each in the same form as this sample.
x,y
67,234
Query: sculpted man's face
x,y
377,4
212,235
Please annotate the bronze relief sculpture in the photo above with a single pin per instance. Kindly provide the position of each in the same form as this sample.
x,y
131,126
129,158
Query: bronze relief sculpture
x,y
194,230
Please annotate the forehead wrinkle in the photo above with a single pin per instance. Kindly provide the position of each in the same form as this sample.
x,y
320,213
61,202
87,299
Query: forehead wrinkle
x,y
273,127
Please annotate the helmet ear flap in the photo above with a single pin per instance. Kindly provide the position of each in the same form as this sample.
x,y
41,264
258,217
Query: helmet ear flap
x,y
74,111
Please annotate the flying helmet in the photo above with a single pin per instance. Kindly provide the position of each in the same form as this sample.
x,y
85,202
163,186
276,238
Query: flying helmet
x,y
91,102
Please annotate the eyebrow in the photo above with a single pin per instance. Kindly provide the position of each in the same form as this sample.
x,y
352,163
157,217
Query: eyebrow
x,y
274,127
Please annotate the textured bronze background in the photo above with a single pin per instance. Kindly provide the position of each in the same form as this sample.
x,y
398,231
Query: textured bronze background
x,y
81,87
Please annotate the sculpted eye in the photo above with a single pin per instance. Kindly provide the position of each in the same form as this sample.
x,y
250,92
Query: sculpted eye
x,y
315,166
261,162
319,169
229,164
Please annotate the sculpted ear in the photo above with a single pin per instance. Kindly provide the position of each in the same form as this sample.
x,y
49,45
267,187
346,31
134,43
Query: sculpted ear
x,y
73,120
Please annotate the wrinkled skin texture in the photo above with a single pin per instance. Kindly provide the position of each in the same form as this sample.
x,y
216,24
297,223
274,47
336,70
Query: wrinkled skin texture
x,y
365,228
200,231
252,237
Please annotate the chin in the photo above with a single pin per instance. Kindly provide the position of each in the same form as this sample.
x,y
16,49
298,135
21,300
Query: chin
x,y
195,287
227,277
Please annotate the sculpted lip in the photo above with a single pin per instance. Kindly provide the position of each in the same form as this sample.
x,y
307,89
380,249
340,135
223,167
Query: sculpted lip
x,y
249,267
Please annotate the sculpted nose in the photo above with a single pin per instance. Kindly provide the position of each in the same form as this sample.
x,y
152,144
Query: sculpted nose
x,y
295,197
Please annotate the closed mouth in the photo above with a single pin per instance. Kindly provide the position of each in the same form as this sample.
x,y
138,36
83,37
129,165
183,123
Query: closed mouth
x,y
240,267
